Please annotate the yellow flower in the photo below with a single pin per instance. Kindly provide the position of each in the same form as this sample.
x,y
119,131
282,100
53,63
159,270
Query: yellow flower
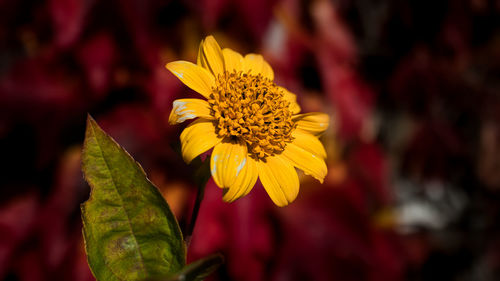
x,y
252,124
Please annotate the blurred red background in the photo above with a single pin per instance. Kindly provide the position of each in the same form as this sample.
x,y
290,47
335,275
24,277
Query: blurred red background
x,y
413,189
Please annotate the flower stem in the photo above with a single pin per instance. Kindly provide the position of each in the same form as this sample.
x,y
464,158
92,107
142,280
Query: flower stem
x,y
202,175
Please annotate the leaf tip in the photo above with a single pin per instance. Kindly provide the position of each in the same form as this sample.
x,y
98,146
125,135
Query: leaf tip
x,y
90,121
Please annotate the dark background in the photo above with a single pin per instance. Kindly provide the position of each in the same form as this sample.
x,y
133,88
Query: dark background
x,y
412,87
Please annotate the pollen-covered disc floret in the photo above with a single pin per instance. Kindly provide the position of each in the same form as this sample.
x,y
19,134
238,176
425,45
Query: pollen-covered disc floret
x,y
252,108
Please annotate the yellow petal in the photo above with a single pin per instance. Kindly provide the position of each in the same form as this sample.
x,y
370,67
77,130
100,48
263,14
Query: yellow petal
x,y
244,182
211,56
309,142
311,164
315,123
184,109
292,98
228,158
200,60
197,138
194,76
256,64
279,179
232,60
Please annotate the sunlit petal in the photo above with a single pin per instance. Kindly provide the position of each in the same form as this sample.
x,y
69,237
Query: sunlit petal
x,y
309,142
184,109
311,164
194,76
197,138
279,179
211,56
315,123
244,181
255,64
228,159
232,60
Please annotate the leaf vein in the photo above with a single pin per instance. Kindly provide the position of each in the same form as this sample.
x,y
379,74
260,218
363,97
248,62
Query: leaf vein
x,y
122,207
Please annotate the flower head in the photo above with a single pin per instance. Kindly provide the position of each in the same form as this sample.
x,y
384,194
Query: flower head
x,y
251,123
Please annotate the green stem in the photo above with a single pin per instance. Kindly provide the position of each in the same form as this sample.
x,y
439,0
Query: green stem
x,y
202,176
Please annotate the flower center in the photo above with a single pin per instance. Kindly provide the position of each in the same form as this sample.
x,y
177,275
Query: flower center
x,y
252,108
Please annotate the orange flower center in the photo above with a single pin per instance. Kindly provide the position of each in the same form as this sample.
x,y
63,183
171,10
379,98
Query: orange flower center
x,y
252,108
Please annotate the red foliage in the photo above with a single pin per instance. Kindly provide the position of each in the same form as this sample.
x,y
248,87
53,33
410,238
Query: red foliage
x,y
411,87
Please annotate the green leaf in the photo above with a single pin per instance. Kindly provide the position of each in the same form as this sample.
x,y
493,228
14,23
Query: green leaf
x,y
130,232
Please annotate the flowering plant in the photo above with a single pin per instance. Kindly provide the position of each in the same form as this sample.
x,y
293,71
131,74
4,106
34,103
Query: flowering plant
x,y
255,131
